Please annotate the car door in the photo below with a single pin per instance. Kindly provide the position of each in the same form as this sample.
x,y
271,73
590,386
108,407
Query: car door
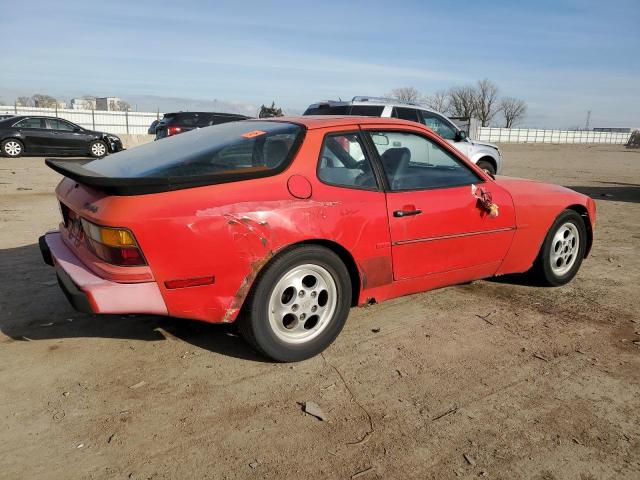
x,y
67,136
437,223
34,134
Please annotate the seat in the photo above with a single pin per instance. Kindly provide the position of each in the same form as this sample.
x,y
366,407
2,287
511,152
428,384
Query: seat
x,y
395,162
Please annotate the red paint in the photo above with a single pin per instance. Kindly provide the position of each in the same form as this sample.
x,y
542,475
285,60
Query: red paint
x,y
231,231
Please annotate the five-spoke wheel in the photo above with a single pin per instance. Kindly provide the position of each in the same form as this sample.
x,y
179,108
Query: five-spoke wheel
x,y
298,304
563,250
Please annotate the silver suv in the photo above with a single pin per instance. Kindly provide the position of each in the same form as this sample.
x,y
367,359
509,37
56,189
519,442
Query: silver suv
x,y
486,155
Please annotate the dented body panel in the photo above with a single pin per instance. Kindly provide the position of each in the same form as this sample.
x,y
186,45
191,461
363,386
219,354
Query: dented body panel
x,y
232,230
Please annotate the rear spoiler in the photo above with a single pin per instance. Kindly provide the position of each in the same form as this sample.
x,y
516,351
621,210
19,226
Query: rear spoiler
x,y
140,186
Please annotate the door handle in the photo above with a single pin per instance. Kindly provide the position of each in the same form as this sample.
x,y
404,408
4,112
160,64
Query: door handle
x,y
406,213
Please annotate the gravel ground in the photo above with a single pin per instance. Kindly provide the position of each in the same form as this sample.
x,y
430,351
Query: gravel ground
x,y
545,386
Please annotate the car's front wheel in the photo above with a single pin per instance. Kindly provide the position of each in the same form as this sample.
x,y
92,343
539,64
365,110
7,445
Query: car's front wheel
x,y
12,148
298,305
563,250
487,167
98,149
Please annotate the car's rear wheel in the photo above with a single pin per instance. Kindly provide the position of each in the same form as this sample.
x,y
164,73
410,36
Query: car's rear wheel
x,y
98,149
12,148
298,305
487,167
563,250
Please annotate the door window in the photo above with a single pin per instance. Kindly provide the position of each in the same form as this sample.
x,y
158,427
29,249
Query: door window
x,y
30,123
343,162
439,125
57,124
413,162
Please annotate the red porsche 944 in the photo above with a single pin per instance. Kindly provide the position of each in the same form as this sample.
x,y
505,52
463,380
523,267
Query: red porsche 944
x,y
285,224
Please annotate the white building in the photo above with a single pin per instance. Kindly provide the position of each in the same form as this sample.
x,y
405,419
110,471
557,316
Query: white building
x,y
82,104
107,103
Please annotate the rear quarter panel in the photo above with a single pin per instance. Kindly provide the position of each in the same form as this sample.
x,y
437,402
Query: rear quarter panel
x,y
232,230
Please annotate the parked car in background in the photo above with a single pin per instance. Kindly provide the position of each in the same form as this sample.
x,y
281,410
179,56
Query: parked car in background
x,y
486,155
31,135
180,122
284,224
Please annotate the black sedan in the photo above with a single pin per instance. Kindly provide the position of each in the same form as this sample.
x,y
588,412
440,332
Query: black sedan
x,y
31,135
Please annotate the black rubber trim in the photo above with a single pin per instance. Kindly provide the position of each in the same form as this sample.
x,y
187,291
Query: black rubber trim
x,y
45,251
77,298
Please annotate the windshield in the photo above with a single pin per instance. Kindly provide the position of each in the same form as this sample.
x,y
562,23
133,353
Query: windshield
x,y
231,148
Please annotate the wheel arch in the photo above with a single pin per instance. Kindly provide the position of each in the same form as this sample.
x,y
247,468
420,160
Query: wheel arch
x,y
488,159
584,213
342,253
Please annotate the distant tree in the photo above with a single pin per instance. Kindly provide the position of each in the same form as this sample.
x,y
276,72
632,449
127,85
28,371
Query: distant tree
x,y
44,101
89,101
119,106
513,110
272,111
462,101
438,101
406,94
24,102
486,98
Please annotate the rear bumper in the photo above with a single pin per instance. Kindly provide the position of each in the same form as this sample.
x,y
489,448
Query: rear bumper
x,y
91,294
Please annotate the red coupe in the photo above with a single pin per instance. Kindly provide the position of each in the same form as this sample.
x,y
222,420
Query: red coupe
x,y
285,224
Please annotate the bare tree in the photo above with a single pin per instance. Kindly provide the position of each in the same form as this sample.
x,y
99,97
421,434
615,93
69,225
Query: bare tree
x,y
462,101
438,101
119,106
486,101
89,101
23,101
513,110
44,101
406,94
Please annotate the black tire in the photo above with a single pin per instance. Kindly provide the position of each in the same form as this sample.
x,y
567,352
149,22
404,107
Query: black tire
x,y
12,148
542,271
487,167
254,322
98,149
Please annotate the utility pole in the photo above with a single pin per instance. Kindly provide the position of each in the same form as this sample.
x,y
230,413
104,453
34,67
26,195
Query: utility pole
x,y
586,125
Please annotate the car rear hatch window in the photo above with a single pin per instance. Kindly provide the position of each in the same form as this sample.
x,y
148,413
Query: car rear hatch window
x,y
218,154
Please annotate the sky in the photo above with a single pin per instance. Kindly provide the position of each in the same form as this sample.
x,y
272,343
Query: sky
x,y
562,57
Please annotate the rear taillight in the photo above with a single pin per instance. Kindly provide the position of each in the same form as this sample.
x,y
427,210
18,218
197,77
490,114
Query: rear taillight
x,y
113,245
173,131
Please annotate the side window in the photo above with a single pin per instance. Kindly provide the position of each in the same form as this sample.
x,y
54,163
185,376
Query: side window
x,y
343,162
55,124
413,162
438,125
367,110
30,123
404,113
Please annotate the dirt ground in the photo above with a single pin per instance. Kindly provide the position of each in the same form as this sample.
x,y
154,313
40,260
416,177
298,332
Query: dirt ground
x,y
546,386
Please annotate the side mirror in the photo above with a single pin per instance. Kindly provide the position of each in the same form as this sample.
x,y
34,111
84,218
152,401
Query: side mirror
x,y
460,136
77,130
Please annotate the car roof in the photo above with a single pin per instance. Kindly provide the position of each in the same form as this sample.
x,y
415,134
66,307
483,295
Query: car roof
x,y
375,101
312,122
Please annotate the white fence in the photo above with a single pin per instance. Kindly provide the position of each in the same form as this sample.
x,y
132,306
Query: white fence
x,y
530,135
103,121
